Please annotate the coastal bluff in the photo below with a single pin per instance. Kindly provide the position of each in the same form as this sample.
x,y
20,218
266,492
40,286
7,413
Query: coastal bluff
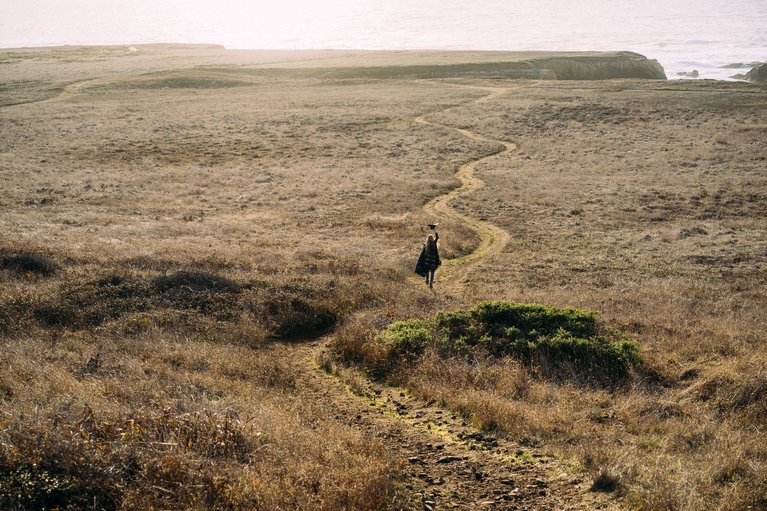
x,y
603,67
758,74
88,62
543,66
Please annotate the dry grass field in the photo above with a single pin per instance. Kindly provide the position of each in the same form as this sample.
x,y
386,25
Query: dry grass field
x,y
648,203
199,255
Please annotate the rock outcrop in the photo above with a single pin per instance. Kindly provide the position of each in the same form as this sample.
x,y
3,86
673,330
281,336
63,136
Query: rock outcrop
x,y
623,64
758,74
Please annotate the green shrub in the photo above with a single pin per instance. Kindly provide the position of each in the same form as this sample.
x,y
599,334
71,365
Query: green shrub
x,y
595,357
559,342
406,337
527,318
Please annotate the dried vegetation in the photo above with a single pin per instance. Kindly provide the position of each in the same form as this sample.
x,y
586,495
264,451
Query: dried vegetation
x,y
168,227
644,202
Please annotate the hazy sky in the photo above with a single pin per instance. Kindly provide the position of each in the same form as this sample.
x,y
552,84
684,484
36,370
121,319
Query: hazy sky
x,y
368,23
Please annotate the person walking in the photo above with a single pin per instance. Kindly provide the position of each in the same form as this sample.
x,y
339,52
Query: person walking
x,y
429,260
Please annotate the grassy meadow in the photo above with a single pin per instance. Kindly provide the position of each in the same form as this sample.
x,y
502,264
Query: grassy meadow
x,y
172,238
644,201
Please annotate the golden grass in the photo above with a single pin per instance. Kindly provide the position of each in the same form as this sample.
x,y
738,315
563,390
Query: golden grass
x,y
158,421
643,201
624,199
183,238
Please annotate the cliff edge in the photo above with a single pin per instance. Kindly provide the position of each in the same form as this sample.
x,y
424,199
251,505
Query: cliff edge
x,y
623,64
531,66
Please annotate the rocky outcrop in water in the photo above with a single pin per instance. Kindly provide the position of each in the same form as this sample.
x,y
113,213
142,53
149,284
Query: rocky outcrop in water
x,y
757,74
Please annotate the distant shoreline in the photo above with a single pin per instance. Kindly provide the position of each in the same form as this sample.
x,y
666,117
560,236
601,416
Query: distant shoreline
x,y
65,47
690,42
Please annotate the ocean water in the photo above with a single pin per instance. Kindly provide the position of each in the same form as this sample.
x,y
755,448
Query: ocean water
x,y
684,35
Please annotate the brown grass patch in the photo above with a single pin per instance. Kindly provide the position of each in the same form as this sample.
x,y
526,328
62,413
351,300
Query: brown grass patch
x,y
225,216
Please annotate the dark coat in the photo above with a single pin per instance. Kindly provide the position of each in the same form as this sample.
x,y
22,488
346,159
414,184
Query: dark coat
x,y
427,261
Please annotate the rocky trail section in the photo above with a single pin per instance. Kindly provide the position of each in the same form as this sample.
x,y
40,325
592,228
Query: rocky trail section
x,y
446,463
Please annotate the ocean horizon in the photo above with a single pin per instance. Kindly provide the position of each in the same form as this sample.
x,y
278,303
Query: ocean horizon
x,y
716,39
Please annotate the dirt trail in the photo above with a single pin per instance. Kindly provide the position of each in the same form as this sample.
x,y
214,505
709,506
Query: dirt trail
x,y
492,238
69,90
448,464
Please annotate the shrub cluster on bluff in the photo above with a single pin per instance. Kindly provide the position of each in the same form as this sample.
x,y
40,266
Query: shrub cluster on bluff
x,y
559,342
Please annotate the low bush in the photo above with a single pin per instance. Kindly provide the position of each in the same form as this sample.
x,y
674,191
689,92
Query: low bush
x,y
92,303
559,343
296,314
27,262
285,310
406,337
196,281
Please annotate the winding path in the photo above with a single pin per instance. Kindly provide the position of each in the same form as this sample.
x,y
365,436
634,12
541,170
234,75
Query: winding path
x,y
492,238
448,463
69,90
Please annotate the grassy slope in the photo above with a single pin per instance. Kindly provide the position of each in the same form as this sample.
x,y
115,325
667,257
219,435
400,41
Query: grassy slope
x,y
645,202
641,201
188,224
